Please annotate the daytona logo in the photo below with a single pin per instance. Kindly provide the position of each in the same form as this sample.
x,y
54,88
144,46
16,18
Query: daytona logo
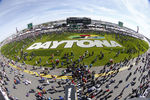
x,y
69,44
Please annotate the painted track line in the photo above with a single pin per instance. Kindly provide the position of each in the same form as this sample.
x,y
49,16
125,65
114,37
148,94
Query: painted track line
x,y
68,77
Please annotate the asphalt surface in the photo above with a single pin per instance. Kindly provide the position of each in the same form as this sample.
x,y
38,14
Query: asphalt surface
x,y
22,89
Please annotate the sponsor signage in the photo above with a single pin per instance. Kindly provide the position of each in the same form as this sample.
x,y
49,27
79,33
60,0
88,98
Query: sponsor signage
x,y
69,44
120,24
30,26
87,36
70,92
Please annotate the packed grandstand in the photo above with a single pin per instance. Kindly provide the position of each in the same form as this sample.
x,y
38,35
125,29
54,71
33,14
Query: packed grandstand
x,y
75,59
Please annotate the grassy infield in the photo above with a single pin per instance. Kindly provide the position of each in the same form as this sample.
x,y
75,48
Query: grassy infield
x,y
45,54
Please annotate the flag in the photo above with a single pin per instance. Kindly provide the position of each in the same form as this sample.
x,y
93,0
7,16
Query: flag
x,y
137,29
17,30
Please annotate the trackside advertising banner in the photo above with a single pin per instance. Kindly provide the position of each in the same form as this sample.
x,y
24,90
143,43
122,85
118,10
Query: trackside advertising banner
x,y
70,92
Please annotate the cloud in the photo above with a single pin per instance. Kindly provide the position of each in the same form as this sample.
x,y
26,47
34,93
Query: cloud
x,y
18,13
138,14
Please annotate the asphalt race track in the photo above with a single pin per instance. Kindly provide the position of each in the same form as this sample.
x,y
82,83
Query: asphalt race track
x,y
122,86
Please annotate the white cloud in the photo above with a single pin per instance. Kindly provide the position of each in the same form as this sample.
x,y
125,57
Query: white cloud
x,y
138,14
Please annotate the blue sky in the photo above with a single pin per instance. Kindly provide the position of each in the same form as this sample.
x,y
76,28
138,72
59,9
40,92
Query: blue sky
x,y
18,13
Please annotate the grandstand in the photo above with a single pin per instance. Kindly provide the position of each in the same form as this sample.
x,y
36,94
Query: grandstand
x,y
96,25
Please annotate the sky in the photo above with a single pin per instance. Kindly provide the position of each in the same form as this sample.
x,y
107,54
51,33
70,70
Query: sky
x,y
18,13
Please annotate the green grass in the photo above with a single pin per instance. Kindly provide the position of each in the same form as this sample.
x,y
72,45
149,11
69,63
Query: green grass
x,y
14,49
